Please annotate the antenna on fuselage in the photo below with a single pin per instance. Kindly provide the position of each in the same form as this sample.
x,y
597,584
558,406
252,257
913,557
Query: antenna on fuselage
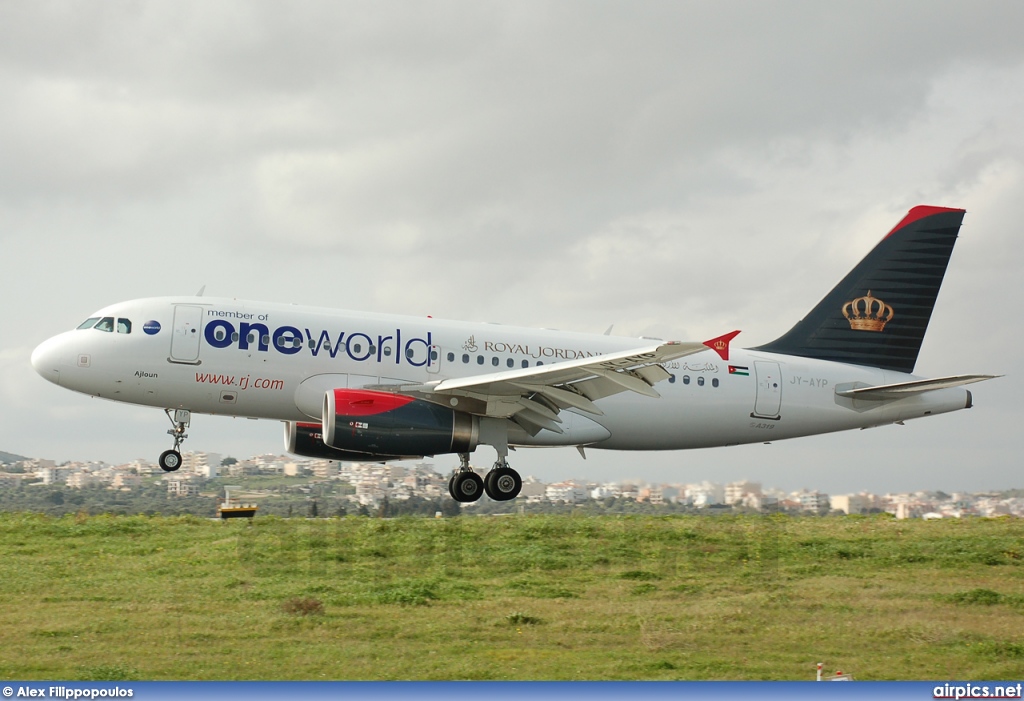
x,y
201,291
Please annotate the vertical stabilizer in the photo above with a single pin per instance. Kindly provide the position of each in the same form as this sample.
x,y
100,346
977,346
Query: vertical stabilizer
x,y
877,316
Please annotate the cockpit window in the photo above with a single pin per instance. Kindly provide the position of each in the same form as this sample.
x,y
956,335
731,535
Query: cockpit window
x,y
89,323
106,324
124,326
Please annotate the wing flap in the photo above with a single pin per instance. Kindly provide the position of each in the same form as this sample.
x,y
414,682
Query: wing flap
x,y
562,397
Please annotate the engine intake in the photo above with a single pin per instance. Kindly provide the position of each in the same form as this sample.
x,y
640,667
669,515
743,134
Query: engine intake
x,y
382,423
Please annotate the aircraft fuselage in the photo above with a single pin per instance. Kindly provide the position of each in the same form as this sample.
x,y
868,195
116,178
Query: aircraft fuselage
x,y
272,361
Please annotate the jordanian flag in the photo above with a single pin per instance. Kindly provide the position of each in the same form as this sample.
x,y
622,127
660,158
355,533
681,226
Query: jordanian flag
x,y
739,370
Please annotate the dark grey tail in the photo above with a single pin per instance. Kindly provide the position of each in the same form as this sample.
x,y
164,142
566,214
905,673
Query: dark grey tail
x,y
878,314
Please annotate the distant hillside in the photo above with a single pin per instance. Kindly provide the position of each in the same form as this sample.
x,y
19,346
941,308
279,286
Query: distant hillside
x,y
11,457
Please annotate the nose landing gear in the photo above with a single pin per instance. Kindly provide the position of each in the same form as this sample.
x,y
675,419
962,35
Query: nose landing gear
x,y
170,460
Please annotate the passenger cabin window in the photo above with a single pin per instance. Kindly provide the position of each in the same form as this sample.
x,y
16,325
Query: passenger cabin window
x,y
451,357
465,357
700,381
124,326
89,323
105,324
714,381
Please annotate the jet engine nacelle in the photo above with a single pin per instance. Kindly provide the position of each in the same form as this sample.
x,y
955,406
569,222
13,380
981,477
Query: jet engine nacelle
x,y
383,423
307,440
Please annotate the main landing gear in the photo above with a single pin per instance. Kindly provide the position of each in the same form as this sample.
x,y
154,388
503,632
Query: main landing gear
x,y
502,483
170,460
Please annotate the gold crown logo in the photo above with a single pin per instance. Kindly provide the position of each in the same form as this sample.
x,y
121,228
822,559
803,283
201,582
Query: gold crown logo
x,y
720,345
868,313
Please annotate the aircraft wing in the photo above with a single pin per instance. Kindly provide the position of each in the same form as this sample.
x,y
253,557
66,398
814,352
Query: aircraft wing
x,y
899,390
534,396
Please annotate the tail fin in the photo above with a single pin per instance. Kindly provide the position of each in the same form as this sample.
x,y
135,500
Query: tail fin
x,y
878,314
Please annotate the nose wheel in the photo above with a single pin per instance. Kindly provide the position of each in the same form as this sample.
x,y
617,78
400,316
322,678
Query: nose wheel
x,y
170,460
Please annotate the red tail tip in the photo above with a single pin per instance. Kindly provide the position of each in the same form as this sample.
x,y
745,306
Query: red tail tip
x,y
720,344
920,212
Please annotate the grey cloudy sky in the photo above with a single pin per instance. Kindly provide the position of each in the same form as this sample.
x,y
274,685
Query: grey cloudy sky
x,y
679,169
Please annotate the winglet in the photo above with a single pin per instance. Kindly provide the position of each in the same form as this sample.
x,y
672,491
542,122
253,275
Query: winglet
x,y
720,345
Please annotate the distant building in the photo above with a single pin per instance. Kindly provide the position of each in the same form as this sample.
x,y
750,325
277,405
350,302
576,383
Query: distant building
x,y
705,494
761,502
651,495
36,464
325,469
629,491
182,486
54,475
294,469
736,491
534,491
126,480
904,510
80,480
204,464
242,468
852,503
10,481
817,502
568,492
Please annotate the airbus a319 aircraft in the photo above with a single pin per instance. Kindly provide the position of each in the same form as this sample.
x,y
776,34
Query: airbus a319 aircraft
x,y
374,387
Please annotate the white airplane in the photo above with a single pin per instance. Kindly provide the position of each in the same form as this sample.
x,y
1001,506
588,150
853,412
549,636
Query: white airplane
x,y
374,387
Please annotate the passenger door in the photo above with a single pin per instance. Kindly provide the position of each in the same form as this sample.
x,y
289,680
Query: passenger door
x,y
188,322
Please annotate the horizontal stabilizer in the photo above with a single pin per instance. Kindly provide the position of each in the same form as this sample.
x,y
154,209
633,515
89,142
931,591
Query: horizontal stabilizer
x,y
900,390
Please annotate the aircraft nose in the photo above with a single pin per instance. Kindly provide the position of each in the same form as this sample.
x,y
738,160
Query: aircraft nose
x,y
46,359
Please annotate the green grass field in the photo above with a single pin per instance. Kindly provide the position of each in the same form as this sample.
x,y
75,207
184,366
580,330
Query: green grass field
x,y
526,597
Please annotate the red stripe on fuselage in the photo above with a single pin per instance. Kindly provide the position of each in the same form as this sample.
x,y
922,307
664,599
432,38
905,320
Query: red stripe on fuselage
x,y
920,212
366,402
